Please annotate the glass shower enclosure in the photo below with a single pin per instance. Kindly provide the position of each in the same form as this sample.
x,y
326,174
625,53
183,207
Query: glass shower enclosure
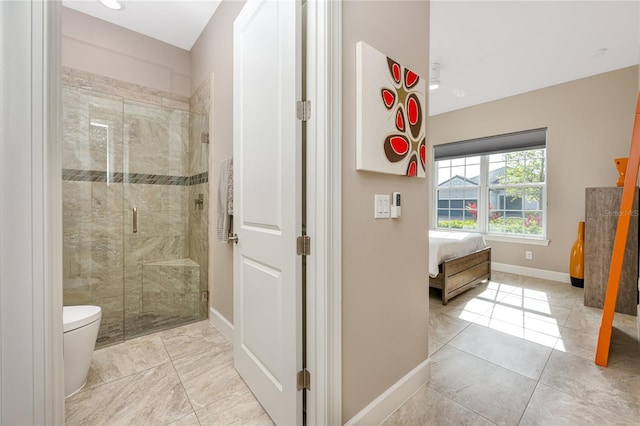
x,y
135,197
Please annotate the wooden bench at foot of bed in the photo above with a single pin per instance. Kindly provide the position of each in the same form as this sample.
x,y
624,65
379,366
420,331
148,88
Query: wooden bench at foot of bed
x,y
460,274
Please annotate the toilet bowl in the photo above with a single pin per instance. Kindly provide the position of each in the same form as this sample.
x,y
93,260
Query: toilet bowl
x,y
80,324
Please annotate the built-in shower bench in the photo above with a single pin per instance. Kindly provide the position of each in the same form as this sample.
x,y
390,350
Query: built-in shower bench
x,y
171,287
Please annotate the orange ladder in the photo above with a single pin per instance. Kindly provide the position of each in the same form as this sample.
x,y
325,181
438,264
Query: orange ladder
x,y
630,179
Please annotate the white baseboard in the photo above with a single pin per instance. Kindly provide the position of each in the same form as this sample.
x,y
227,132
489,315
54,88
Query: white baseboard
x,y
531,272
384,405
221,323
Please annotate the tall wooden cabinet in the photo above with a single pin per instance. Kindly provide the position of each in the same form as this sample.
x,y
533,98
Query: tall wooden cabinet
x,y
602,210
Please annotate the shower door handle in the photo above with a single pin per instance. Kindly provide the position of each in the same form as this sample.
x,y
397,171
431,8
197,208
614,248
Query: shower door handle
x,y
135,220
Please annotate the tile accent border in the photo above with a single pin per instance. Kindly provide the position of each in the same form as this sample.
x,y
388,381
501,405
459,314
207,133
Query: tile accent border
x,y
138,178
199,178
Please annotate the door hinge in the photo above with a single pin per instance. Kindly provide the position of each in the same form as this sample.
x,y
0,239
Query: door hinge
x,y
303,110
304,379
303,245
204,296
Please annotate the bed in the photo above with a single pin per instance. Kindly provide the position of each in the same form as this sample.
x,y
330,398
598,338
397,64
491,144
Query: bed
x,y
457,262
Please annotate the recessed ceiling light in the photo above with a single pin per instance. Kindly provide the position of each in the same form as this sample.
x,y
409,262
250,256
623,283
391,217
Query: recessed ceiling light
x,y
600,52
112,4
434,75
459,93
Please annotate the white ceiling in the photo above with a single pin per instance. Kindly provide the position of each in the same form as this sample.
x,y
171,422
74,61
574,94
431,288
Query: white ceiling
x,y
176,22
487,50
490,50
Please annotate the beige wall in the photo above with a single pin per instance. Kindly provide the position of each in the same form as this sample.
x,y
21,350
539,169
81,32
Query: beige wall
x,y
213,53
589,124
96,46
385,293
384,287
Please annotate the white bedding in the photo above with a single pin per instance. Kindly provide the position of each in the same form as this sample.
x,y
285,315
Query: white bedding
x,y
445,245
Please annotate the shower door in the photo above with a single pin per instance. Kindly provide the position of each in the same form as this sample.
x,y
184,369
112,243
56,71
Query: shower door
x,y
92,191
134,238
161,281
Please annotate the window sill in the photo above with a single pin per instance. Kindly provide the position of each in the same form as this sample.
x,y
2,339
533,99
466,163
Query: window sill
x,y
517,240
533,241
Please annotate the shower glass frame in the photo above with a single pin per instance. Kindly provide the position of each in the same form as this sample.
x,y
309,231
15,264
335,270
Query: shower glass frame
x,y
126,147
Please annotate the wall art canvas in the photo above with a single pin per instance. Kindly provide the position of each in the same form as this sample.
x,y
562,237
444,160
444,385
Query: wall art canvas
x,y
390,122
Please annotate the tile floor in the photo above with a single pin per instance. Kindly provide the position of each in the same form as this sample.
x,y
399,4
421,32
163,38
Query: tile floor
x,y
512,351
181,377
519,351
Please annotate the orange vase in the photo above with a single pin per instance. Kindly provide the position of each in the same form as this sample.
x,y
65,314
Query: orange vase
x,y
576,262
621,165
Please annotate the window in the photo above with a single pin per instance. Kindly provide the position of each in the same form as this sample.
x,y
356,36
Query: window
x,y
458,193
500,190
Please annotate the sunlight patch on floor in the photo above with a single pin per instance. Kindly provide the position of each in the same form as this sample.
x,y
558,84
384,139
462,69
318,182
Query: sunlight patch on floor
x,y
516,311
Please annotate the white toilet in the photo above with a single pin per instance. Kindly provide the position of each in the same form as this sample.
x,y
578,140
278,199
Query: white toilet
x,y
81,324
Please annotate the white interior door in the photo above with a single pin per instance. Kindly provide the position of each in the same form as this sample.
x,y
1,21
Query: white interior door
x,y
267,199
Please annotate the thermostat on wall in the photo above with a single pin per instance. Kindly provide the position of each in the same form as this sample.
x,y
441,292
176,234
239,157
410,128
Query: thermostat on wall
x,y
396,210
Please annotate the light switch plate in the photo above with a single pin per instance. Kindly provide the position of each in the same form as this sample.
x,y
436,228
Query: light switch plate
x,y
381,209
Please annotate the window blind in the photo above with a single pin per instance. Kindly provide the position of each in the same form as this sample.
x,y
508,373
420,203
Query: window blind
x,y
509,142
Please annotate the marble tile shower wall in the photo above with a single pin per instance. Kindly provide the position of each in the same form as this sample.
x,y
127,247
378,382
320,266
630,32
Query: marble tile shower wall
x,y
129,146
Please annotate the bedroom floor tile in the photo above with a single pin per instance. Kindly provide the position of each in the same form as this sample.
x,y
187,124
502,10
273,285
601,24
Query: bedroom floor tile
x,y
609,388
429,407
578,342
496,393
514,353
507,278
526,360
434,345
523,324
551,407
559,314
468,310
490,291
588,318
624,353
444,327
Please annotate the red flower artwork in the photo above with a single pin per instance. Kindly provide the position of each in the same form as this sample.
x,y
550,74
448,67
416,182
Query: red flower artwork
x,y
407,141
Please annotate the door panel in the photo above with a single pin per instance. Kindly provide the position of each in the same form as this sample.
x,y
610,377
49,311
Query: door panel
x,y
262,286
267,200
161,280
